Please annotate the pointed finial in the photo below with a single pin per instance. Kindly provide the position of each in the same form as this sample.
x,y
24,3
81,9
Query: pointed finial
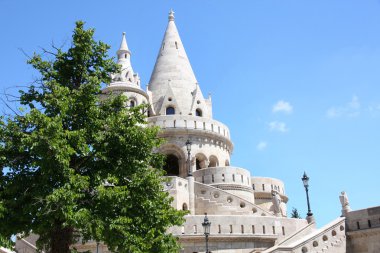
x,y
171,15
123,44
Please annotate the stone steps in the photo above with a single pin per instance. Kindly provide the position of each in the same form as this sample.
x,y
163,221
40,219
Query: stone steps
x,y
205,205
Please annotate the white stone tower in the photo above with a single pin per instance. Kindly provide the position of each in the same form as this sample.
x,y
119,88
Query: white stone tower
x,y
179,108
209,184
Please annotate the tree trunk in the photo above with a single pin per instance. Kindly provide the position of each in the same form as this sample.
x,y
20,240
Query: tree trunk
x,y
61,239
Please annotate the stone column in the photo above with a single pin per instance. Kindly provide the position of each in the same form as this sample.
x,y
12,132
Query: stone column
x,y
190,180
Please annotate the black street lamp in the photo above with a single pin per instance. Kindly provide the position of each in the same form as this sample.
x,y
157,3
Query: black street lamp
x,y
206,228
188,147
305,180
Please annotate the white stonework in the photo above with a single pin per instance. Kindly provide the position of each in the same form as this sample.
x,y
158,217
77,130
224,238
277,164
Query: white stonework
x,y
127,81
247,213
173,82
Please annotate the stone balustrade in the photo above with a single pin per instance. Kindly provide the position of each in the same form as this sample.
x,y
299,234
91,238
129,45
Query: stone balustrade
x,y
224,175
191,123
229,200
240,225
330,238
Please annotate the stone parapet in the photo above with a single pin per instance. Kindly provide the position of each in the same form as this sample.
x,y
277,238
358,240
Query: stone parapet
x,y
363,230
230,175
267,184
328,239
193,125
241,232
220,201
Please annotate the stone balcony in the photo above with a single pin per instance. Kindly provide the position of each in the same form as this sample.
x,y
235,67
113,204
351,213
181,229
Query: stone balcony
x,y
177,124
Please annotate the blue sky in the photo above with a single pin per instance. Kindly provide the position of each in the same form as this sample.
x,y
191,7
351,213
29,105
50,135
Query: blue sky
x,y
297,82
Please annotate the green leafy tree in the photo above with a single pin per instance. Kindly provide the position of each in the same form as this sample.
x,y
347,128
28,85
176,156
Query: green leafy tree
x,y
77,166
295,214
6,243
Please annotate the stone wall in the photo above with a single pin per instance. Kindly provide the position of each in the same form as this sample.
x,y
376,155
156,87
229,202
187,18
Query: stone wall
x,y
263,187
363,230
328,239
242,233
231,179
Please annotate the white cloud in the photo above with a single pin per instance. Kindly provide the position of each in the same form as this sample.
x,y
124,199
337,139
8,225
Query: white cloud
x,y
374,109
351,109
282,106
262,145
278,126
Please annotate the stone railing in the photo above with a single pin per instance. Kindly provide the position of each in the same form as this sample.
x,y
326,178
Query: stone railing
x,y
191,123
330,238
228,200
363,219
224,175
266,185
240,225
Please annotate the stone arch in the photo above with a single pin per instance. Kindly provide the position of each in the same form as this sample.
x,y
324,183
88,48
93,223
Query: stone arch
x,y
201,161
171,165
132,101
213,161
175,164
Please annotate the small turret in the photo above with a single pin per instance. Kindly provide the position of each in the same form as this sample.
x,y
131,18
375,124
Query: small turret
x,y
126,81
126,75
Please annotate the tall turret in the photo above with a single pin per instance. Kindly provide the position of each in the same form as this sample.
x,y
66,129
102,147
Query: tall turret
x,y
173,88
177,106
126,81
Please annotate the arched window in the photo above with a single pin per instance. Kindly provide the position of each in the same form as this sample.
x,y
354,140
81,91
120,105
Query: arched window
x,y
198,112
170,110
184,207
213,161
201,161
132,103
198,164
171,165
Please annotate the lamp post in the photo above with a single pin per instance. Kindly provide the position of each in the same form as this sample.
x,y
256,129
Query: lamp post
x,y
188,147
305,180
206,228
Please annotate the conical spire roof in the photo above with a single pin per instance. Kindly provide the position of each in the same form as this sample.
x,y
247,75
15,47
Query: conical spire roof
x,y
123,45
173,69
